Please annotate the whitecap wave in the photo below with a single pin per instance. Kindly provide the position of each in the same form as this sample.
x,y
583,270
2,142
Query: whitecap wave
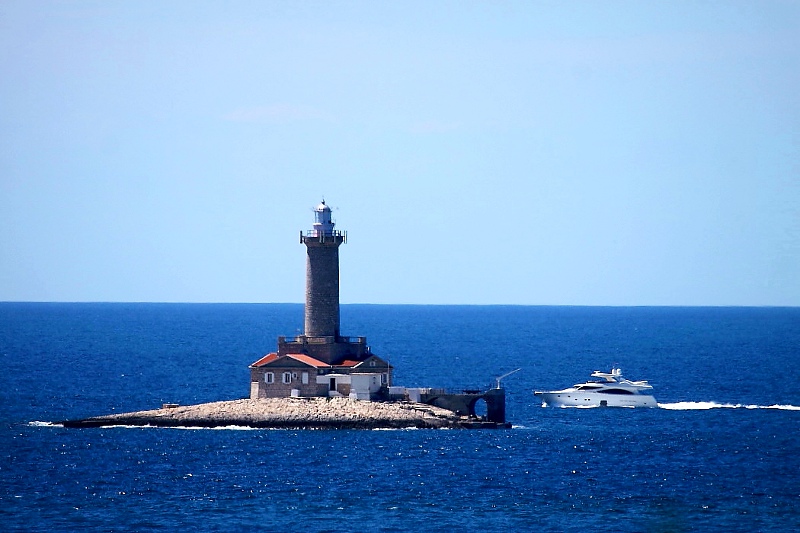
x,y
38,423
695,406
41,424
206,428
216,428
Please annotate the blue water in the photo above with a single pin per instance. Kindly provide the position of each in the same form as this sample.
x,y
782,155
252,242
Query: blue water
x,y
721,454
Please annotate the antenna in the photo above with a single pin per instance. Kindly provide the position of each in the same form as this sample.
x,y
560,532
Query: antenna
x,y
505,376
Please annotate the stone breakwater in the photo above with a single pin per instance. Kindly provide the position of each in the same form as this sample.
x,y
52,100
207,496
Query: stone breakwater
x,y
288,413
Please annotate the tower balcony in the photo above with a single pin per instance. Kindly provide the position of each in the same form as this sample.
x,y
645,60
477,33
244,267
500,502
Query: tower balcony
x,y
328,339
329,349
321,236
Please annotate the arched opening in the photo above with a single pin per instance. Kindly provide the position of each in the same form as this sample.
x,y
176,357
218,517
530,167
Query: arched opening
x,y
480,409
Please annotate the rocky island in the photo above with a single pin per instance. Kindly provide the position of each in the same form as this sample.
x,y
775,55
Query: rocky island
x,y
287,413
322,379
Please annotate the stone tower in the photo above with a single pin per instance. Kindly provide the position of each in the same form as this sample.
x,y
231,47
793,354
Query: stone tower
x,y
321,336
322,274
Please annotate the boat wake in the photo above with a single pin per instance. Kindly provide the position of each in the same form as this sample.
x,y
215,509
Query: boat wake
x,y
701,406
697,406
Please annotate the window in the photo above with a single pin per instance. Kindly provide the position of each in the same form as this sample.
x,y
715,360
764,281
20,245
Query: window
x,y
269,377
305,378
287,377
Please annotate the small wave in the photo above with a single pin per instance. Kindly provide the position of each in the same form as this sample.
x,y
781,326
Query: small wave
x,y
38,423
695,406
41,424
196,428
223,428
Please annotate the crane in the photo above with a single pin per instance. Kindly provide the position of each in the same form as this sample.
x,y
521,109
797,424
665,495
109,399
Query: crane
x,y
505,376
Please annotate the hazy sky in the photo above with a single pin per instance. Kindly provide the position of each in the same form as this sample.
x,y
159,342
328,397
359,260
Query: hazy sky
x,y
587,153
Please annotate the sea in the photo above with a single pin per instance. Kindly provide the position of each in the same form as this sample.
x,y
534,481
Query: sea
x,y
721,453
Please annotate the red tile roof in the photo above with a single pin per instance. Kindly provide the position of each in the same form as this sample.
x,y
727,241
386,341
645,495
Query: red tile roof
x,y
266,359
307,359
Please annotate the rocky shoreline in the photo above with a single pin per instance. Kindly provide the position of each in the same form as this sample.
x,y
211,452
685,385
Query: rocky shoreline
x,y
286,413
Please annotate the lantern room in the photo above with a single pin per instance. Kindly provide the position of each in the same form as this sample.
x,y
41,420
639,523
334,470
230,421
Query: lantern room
x,y
323,224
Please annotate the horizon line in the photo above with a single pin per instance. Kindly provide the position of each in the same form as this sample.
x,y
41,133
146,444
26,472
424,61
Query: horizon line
x,y
170,302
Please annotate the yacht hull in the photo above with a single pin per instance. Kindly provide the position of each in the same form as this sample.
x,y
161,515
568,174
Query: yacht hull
x,y
595,399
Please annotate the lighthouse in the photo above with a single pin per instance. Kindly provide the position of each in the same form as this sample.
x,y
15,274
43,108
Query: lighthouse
x,y
321,362
322,275
322,338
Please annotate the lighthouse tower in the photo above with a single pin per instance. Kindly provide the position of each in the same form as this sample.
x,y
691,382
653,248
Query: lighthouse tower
x,y
321,338
322,275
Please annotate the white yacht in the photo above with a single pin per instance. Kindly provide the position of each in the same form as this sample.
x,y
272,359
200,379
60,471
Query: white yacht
x,y
610,390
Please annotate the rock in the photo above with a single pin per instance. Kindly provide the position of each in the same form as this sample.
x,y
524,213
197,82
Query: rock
x,y
311,413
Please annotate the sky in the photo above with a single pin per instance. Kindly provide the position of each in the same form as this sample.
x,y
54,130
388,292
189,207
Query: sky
x,y
520,153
